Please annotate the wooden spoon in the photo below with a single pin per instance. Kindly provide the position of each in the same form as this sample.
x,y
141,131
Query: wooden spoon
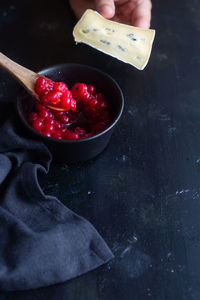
x,y
24,76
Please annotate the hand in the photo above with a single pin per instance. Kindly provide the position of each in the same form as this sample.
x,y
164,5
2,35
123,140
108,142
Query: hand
x,y
132,12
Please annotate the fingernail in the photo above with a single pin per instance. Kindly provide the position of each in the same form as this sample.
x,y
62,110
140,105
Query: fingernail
x,y
106,9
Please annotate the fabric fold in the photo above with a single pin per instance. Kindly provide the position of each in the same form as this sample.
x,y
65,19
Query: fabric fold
x,y
42,242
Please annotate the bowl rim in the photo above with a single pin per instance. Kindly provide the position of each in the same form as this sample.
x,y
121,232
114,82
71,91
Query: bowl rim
x,y
81,140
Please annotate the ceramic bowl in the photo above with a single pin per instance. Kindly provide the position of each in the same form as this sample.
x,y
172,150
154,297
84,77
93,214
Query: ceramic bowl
x,y
71,151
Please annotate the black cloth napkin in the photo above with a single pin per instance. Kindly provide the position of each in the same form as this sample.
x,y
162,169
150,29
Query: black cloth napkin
x,y
42,242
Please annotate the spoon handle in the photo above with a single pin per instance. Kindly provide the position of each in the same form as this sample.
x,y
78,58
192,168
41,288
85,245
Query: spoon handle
x,y
25,76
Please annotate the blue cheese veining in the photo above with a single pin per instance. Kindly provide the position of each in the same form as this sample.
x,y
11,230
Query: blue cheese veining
x,y
127,43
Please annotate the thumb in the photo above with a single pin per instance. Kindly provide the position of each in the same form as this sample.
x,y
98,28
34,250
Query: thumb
x,y
105,7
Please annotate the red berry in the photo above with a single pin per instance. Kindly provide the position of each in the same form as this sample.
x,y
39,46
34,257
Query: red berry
x,y
60,87
75,91
80,131
93,102
86,135
49,84
51,114
43,85
79,91
64,119
73,136
43,114
58,125
57,135
53,97
58,114
47,133
91,113
99,96
91,89
82,89
39,107
65,133
73,104
32,117
44,99
98,127
65,102
103,104
40,85
49,127
86,97
84,102
64,129
50,121
68,94
38,125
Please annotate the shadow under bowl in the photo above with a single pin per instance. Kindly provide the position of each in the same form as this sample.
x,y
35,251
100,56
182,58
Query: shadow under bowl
x,y
72,151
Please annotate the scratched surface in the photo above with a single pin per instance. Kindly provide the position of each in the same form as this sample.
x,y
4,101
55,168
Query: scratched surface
x,y
143,192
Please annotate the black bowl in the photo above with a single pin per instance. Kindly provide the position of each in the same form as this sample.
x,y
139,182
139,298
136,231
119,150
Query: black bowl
x,y
80,150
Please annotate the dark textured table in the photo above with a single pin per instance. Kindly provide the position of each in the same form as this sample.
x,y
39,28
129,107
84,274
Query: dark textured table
x,y
143,192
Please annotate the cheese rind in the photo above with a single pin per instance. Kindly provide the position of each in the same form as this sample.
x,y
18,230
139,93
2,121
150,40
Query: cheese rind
x,y
127,43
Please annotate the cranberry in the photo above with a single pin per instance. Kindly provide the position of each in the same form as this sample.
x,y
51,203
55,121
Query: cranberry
x,y
58,114
60,87
99,96
47,133
97,127
65,133
57,134
80,131
49,120
79,91
43,114
49,127
44,100
70,135
82,89
93,102
43,85
32,117
51,114
65,102
86,135
40,86
91,113
57,93
103,104
49,84
53,97
39,107
73,104
64,119
68,94
73,136
58,125
86,97
91,89
75,91
38,125
85,104
64,129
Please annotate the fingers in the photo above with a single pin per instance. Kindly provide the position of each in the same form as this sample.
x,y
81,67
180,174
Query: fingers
x,y
106,8
142,14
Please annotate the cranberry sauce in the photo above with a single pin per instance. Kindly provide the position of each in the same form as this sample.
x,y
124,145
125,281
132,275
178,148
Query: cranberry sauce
x,y
87,110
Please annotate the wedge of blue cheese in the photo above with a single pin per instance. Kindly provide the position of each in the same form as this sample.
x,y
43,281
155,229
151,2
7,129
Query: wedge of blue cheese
x,y
127,43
